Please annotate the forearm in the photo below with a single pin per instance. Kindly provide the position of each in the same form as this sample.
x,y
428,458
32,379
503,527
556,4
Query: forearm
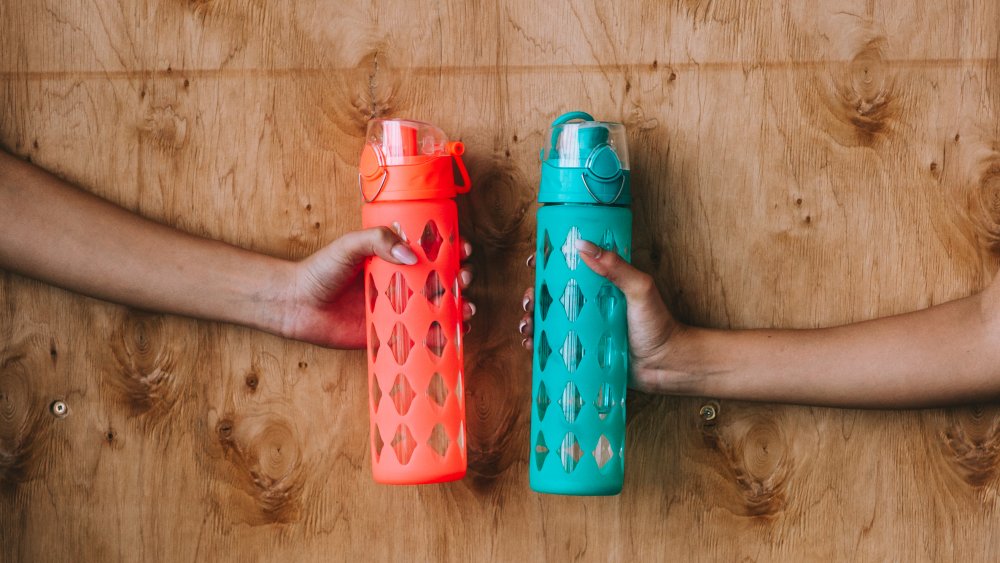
x,y
942,355
56,233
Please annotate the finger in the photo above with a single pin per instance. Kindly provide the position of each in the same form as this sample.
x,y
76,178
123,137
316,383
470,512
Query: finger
x,y
526,326
355,246
466,327
464,277
528,344
528,301
530,262
465,251
631,281
468,310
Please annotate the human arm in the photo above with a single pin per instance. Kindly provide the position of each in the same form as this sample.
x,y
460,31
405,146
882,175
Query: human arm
x,y
945,354
59,234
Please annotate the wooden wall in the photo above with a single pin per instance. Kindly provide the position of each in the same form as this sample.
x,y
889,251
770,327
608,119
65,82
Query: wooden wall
x,y
795,164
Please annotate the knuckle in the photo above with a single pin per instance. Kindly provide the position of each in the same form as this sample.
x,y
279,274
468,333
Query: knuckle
x,y
645,283
385,235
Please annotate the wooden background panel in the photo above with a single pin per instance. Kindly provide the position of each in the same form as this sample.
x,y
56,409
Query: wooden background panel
x,y
795,165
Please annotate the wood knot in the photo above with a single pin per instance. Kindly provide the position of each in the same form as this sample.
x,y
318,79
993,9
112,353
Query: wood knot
x,y
867,95
492,422
972,444
144,375
756,455
378,95
266,451
862,97
21,420
497,201
985,202
251,380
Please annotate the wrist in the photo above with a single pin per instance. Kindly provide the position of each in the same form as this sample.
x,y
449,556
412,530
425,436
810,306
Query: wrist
x,y
678,365
272,300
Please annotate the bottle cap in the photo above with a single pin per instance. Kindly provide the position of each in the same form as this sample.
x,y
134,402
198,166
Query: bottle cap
x,y
408,160
585,161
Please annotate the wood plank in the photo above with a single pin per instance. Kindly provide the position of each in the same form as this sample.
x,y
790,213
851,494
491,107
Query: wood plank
x,y
796,164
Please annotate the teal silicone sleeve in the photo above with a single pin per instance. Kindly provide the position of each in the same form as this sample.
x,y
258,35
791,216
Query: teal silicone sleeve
x,y
580,359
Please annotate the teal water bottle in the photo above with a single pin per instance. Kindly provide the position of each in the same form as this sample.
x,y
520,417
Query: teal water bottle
x,y
580,360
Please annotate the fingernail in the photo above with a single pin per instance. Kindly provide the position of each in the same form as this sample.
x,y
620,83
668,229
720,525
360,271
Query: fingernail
x,y
403,253
465,276
524,343
471,307
530,262
468,248
467,328
521,326
524,304
589,248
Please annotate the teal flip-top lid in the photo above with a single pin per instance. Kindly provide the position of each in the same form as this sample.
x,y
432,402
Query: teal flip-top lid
x,y
585,161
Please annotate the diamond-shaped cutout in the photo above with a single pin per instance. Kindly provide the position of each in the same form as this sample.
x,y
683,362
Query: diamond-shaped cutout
x,y
398,292
570,452
460,439
607,301
544,351
608,242
372,293
546,249
603,452
572,351
402,394
436,340
434,289
403,444
572,300
606,351
459,391
605,401
396,228
377,442
431,240
376,394
571,402
374,343
439,440
541,451
544,300
400,343
437,390
542,400
569,248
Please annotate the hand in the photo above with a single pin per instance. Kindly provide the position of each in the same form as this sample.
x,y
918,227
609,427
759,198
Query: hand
x,y
655,337
326,298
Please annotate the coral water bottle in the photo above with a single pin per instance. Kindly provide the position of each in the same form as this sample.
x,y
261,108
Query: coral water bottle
x,y
580,363
407,176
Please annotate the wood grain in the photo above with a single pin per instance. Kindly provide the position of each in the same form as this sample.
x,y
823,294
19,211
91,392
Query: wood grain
x,y
795,164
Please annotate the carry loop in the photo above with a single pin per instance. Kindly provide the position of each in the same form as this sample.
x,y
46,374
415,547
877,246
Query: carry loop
x,y
562,119
604,165
372,163
571,115
456,149
385,176
621,189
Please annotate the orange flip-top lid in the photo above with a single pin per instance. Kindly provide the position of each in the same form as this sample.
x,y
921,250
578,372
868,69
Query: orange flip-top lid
x,y
408,160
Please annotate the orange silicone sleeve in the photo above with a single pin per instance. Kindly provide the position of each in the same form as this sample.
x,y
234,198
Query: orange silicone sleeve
x,y
416,396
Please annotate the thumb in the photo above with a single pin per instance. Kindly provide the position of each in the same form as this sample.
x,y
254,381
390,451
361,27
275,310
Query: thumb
x,y
634,283
354,247
650,322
